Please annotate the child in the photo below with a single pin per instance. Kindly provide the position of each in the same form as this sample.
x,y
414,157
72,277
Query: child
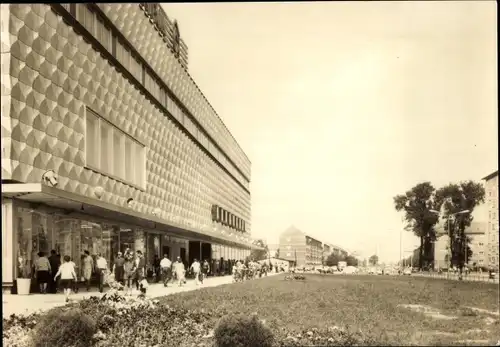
x,y
67,273
143,286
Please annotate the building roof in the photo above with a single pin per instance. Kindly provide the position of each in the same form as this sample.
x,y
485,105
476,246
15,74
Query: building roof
x,y
490,176
293,229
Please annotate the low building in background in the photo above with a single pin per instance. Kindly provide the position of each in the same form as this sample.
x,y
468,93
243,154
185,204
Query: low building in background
x,y
304,249
477,231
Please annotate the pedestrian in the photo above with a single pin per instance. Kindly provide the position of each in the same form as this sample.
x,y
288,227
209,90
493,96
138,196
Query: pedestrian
x,y
140,264
129,271
88,266
205,270
157,268
74,284
55,262
42,267
166,269
67,273
102,268
118,270
195,267
180,271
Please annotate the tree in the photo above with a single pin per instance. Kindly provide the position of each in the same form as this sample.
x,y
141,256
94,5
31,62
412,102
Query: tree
x,y
260,254
416,204
373,259
351,261
333,259
456,198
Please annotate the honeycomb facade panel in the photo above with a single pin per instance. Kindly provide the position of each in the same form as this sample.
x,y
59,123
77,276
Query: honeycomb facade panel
x,y
130,19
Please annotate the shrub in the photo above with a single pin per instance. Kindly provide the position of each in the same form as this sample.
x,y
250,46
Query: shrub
x,y
64,327
295,278
242,331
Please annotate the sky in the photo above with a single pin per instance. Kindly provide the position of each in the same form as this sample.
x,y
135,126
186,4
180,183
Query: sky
x,y
340,106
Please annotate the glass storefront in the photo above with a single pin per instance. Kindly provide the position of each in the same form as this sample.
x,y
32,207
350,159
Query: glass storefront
x,y
38,231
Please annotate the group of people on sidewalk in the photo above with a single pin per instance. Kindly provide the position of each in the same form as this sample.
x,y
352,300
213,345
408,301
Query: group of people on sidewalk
x,y
130,270
168,271
50,272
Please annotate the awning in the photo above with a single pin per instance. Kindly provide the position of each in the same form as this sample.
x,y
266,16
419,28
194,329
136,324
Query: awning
x,y
38,193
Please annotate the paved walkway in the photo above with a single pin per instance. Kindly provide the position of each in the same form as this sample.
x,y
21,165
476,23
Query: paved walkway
x,y
27,304
471,277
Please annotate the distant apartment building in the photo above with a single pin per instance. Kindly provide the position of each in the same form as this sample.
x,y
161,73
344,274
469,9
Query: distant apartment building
x,y
477,232
300,247
491,189
327,250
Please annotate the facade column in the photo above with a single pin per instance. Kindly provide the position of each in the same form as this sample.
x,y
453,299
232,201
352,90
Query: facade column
x,y
8,242
139,240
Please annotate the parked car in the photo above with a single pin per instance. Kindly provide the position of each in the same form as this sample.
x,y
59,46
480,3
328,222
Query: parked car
x,y
380,272
371,271
407,271
350,270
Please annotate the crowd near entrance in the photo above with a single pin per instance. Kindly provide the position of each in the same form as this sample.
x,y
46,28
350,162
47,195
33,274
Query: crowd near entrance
x,y
41,234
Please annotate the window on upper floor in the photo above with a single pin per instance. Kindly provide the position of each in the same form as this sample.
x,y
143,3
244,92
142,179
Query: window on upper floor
x,y
152,86
129,61
95,25
112,152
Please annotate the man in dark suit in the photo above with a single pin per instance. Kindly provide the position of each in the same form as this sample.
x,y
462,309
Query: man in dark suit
x,y
55,263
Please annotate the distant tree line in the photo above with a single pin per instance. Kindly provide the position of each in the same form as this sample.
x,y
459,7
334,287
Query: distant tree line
x,y
334,258
423,205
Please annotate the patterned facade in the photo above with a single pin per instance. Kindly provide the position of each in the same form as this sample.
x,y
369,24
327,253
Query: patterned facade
x,y
491,189
95,94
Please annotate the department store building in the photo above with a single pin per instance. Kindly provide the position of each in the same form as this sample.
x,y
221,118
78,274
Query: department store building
x,y
108,143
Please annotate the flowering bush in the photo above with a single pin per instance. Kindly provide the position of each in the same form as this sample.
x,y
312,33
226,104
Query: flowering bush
x,y
64,327
242,331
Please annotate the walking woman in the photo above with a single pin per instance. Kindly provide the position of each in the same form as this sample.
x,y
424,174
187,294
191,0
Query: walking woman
x,y
88,266
129,270
180,271
118,268
42,267
68,275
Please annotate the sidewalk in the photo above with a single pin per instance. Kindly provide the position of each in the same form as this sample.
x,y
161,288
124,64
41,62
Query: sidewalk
x,y
27,304
471,277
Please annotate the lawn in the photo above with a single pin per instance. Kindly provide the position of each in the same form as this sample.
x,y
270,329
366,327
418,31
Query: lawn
x,y
321,310
369,303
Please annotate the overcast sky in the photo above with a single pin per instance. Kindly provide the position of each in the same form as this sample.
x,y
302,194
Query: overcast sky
x,y
342,105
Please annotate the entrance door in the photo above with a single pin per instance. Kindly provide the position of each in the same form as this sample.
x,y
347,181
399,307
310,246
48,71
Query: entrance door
x,y
183,255
194,251
166,250
206,251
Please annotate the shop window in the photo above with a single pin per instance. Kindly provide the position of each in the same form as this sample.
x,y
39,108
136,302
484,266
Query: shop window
x,y
25,254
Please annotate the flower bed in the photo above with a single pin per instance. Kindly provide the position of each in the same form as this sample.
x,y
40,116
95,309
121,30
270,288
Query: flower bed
x,y
116,320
